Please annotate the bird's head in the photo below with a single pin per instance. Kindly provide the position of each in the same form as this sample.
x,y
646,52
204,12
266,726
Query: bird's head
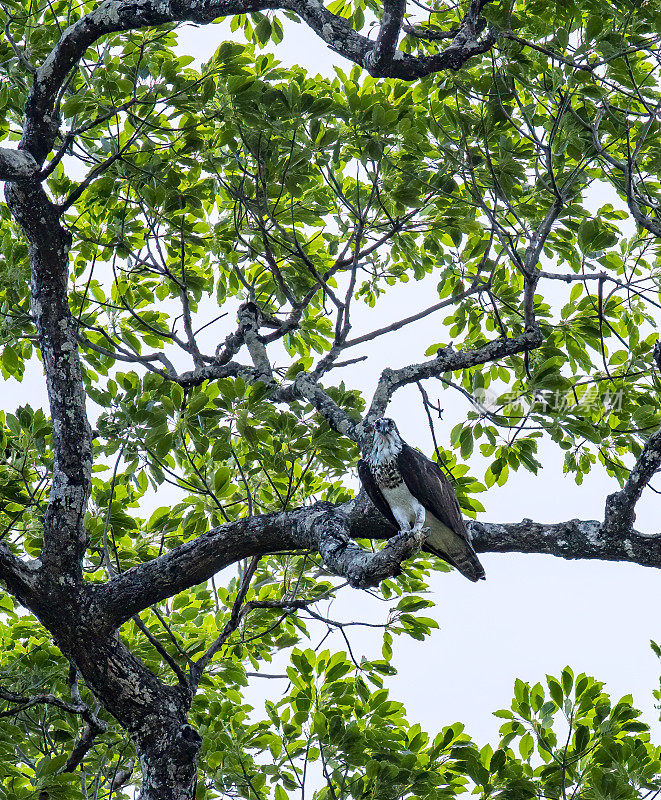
x,y
387,441
386,426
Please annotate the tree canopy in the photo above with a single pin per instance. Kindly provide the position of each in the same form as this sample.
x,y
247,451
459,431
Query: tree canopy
x,y
195,253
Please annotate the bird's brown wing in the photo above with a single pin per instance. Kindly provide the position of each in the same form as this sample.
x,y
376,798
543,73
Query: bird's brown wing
x,y
427,483
373,491
448,537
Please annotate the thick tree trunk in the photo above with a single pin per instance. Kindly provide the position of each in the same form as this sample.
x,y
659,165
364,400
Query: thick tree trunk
x,y
153,713
169,763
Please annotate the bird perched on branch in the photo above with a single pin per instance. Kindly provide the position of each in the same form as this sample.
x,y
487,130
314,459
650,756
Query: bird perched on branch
x,y
413,493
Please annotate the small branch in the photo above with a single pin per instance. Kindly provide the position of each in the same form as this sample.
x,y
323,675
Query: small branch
x,y
306,387
93,728
626,167
132,358
429,34
231,625
70,136
349,362
388,36
249,324
18,50
531,260
23,703
181,675
427,405
395,326
266,675
185,305
122,777
107,563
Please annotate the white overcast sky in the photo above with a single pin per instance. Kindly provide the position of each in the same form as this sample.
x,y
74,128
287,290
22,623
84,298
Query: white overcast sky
x,y
533,614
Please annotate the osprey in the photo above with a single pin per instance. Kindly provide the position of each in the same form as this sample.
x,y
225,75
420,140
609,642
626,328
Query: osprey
x,y
411,492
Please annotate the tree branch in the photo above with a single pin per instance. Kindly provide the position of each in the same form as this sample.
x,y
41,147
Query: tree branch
x,y
214,372
93,727
474,288
620,506
239,610
23,702
250,320
304,386
446,360
381,58
330,530
574,539
386,41
65,537
19,577
626,167
323,527
181,675
17,165
472,38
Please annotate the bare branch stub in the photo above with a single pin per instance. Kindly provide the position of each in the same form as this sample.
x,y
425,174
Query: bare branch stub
x,y
17,165
620,506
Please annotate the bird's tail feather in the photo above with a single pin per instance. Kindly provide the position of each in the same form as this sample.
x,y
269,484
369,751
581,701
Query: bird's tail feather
x,y
454,549
467,563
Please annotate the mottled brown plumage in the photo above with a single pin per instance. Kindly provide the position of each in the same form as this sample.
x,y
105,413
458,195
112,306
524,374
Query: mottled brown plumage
x,y
401,482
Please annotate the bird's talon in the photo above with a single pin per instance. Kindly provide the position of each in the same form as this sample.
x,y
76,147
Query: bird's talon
x,y
421,535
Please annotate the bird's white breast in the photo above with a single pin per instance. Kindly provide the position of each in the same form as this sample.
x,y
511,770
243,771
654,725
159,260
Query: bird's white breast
x,y
404,506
